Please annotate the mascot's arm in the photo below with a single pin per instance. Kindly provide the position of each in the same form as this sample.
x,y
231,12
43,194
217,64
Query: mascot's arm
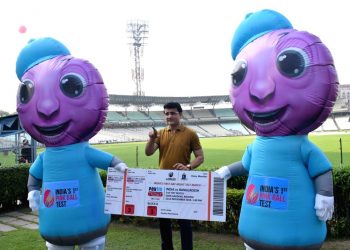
x,y
118,164
100,159
324,200
235,169
34,183
320,169
34,186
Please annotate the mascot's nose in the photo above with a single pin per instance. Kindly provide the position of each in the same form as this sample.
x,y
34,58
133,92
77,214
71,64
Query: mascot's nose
x,y
48,107
262,91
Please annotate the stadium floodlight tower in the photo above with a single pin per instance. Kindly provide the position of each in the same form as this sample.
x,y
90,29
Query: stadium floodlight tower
x,y
138,31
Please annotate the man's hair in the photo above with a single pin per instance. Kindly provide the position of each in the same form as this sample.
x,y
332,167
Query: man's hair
x,y
173,105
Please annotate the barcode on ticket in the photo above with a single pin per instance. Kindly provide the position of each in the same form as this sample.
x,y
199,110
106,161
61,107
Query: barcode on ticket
x,y
218,196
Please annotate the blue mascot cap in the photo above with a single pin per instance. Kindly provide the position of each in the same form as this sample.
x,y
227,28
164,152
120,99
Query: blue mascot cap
x,y
256,25
37,51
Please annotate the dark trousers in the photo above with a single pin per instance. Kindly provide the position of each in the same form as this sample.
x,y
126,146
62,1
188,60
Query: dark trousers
x,y
167,236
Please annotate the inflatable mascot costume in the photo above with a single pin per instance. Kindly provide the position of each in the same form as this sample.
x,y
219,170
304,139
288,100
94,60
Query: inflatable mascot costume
x,y
284,85
62,102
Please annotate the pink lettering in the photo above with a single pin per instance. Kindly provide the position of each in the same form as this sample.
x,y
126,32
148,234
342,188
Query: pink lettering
x,y
279,198
60,197
71,197
265,196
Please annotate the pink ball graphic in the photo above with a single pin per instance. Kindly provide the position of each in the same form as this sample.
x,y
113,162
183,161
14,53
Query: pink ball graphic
x,y
48,198
22,29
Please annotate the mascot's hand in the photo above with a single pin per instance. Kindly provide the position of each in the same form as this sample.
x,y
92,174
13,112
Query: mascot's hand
x,y
34,199
324,206
224,172
121,167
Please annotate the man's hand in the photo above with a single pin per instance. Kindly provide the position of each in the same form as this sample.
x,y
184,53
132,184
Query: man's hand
x,y
180,166
121,167
224,172
153,134
324,206
34,200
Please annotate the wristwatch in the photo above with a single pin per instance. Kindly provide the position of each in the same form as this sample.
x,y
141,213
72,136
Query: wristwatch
x,y
189,166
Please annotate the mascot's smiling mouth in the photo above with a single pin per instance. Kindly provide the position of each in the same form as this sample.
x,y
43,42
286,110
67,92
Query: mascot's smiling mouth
x,y
264,118
52,130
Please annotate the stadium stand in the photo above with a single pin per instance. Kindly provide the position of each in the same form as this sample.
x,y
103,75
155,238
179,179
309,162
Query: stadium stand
x,y
148,101
132,117
227,112
114,116
217,130
137,115
203,113
329,125
209,116
187,114
236,128
156,115
343,123
319,129
201,132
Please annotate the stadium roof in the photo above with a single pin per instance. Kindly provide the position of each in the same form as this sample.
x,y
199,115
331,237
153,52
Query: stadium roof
x,y
126,100
10,125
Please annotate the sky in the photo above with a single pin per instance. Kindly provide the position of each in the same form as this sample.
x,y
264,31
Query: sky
x,y
188,47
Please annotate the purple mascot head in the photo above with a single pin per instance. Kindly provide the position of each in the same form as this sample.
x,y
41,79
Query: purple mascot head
x,y
61,100
284,81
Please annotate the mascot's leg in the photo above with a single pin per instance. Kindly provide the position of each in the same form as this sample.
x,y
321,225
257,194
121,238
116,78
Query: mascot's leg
x,y
55,247
248,247
96,244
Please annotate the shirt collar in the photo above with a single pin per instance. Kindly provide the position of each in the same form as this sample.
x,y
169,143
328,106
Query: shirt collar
x,y
180,128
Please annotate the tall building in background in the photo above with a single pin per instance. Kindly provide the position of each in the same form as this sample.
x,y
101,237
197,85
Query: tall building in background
x,y
138,33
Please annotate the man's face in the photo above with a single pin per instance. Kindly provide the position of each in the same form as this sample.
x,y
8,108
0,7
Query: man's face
x,y
172,116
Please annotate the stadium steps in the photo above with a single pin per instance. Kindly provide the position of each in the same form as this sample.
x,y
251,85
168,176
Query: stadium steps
x,y
335,122
190,113
211,111
230,132
199,131
210,134
248,130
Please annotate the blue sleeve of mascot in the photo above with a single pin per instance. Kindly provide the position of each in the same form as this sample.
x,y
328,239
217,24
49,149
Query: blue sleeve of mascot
x,y
247,158
316,161
36,169
98,158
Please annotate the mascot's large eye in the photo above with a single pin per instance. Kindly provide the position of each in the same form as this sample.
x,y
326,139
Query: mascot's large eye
x,y
292,62
239,72
26,90
72,84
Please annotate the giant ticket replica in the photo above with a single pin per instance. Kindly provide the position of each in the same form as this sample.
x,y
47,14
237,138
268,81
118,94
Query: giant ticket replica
x,y
193,195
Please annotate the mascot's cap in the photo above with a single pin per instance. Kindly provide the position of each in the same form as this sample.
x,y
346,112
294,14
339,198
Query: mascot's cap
x,y
256,25
37,51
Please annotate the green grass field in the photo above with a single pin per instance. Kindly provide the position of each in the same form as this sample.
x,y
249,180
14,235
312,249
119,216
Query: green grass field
x,y
131,237
217,151
126,237
225,150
